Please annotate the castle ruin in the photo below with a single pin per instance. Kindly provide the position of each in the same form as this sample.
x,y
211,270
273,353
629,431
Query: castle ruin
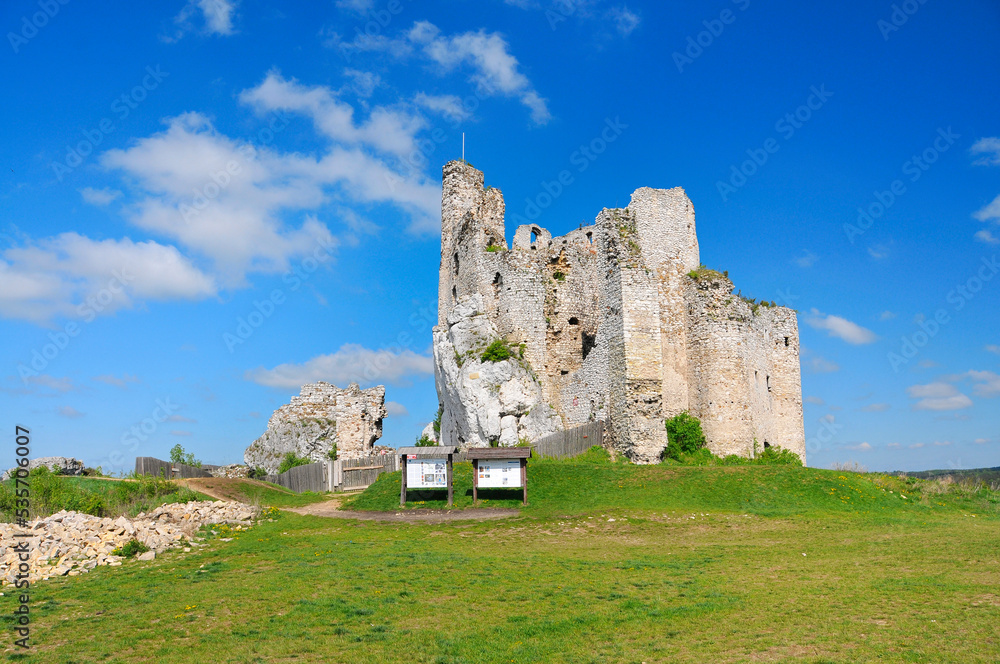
x,y
616,321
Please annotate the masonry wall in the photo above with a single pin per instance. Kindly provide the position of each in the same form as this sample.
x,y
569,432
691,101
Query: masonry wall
x,y
613,327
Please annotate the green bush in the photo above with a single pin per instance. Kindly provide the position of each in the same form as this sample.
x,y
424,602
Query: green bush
x,y
130,549
684,436
256,473
332,454
496,352
425,441
290,461
437,420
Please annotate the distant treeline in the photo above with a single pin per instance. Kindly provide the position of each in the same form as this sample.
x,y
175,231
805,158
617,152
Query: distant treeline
x,y
988,475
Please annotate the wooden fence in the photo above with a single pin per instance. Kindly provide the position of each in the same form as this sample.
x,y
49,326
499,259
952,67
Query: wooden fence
x,y
353,474
157,467
311,477
571,442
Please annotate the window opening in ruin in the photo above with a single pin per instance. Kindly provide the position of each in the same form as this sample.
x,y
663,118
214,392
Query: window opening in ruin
x,y
534,236
456,262
590,236
497,282
768,383
574,321
563,372
454,294
589,341
766,444
786,341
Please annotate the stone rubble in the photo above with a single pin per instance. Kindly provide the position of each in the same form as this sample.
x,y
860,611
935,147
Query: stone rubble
x,y
73,543
232,471
63,465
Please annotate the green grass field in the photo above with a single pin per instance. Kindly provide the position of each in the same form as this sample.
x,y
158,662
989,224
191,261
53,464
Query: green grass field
x,y
609,563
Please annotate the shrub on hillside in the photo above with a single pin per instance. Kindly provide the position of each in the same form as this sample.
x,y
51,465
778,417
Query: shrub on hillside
x,y
684,436
290,461
130,549
178,455
425,441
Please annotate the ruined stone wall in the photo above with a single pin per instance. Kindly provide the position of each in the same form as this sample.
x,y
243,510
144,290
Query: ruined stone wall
x,y
321,416
607,324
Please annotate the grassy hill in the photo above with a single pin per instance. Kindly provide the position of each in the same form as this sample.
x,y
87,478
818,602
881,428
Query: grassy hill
x,y
990,476
592,482
610,563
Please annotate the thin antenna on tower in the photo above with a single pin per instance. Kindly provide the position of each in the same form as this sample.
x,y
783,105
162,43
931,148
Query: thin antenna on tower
x,y
463,146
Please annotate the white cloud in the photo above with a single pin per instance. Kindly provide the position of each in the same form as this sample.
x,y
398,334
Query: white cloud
x,y
360,7
176,432
625,20
878,251
916,446
57,275
122,382
495,69
987,237
817,364
992,348
938,396
886,315
217,15
893,446
942,443
396,409
70,412
99,197
990,211
807,259
450,106
987,383
352,363
180,418
815,400
861,447
386,130
63,384
981,441
876,408
990,148
927,364
841,328
363,83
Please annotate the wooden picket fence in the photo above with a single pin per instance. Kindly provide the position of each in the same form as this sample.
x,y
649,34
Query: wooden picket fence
x,y
171,471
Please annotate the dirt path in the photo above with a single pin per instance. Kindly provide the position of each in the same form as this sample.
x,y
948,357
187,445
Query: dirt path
x,y
330,508
222,488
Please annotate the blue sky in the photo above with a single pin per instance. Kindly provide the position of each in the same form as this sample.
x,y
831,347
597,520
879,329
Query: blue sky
x,y
204,205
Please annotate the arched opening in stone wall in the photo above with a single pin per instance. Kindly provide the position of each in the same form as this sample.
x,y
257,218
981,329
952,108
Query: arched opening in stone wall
x,y
574,321
590,236
589,341
456,262
766,444
786,341
768,378
454,294
497,283
535,232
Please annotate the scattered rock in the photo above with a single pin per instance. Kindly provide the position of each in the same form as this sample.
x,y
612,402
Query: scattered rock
x,y
71,543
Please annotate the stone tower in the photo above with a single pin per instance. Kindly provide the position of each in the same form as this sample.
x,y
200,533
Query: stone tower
x,y
616,321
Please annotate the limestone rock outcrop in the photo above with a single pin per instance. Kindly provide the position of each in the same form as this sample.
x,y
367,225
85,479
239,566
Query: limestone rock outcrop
x,y
62,466
491,402
323,415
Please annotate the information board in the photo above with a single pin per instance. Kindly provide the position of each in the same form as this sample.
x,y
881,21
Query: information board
x,y
426,472
499,473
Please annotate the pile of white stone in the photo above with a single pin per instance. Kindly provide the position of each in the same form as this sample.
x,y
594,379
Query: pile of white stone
x,y
232,471
71,543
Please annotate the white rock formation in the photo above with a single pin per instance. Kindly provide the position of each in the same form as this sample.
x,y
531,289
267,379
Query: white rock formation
x,y
63,465
322,416
485,402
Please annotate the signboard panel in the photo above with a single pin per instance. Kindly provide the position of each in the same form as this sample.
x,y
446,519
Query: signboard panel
x,y
499,473
426,473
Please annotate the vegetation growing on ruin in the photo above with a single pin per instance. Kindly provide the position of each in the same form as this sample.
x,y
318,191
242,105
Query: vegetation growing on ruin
x,y
493,248
437,420
425,441
498,351
559,276
292,460
703,273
